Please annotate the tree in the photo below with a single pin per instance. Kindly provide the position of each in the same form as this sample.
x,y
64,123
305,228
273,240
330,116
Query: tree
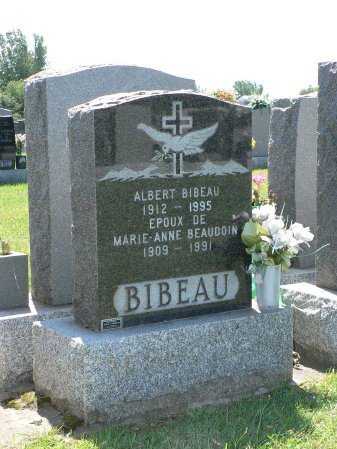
x,y
242,88
40,54
12,97
17,62
308,90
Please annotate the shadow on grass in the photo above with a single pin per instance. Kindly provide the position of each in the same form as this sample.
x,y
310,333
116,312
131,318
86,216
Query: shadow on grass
x,y
258,422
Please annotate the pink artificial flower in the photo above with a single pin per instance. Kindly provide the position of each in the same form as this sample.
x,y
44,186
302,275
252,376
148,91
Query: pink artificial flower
x,y
258,179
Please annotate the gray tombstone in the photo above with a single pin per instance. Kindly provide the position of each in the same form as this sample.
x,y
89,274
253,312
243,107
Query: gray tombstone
x,y
160,187
326,267
5,112
260,133
48,96
292,164
14,280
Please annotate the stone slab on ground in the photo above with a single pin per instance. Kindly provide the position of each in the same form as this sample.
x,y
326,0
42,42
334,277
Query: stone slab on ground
x,y
144,372
315,318
13,176
14,280
297,275
16,356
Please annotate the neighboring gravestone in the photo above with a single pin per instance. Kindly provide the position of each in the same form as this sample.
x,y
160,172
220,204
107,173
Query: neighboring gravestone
x,y
160,187
5,112
7,143
48,96
292,164
260,133
326,267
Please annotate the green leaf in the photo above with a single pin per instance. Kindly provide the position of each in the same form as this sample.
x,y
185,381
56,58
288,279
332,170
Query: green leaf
x,y
264,246
269,261
255,257
261,231
284,266
249,234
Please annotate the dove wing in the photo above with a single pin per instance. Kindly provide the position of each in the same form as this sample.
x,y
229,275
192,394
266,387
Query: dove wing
x,y
154,134
192,140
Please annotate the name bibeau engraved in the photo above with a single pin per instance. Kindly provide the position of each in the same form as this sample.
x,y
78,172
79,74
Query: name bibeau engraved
x,y
174,293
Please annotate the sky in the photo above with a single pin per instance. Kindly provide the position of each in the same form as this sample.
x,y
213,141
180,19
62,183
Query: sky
x,y
274,43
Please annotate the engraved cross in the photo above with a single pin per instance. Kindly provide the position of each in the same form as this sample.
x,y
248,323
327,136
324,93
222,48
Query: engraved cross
x,y
177,123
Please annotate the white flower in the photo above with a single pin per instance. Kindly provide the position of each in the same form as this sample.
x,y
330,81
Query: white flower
x,y
273,225
263,256
282,238
293,245
301,234
264,212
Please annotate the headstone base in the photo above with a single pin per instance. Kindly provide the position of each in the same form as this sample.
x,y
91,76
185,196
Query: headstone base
x,y
16,355
139,373
315,317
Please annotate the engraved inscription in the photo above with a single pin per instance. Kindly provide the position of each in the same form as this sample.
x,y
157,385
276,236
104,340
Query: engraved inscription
x,y
168,294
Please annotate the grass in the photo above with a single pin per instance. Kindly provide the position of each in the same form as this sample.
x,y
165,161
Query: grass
x,y
14,225
290,417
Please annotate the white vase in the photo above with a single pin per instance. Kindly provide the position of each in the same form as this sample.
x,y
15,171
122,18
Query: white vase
x,y
268,292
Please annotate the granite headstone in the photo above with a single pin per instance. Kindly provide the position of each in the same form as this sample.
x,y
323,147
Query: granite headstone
x,y
292,164
48,96
7,143
160,187
326,267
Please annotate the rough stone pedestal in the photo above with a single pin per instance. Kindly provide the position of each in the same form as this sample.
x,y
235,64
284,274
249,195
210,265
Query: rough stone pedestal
x,y
13,280
16,355
315,322
146,371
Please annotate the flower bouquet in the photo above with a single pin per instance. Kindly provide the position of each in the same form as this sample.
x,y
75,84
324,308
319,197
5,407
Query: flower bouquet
x,y
269,241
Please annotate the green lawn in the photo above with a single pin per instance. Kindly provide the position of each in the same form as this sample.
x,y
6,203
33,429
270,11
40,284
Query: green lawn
x,y
14,216
14,225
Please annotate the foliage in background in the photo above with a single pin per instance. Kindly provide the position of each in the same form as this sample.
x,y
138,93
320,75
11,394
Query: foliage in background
x,y
257,103
245,87
257,184
17,62
12,98
308,90
224,94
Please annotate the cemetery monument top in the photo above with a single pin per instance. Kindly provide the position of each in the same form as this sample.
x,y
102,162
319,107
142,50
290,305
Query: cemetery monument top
x,y
160,187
